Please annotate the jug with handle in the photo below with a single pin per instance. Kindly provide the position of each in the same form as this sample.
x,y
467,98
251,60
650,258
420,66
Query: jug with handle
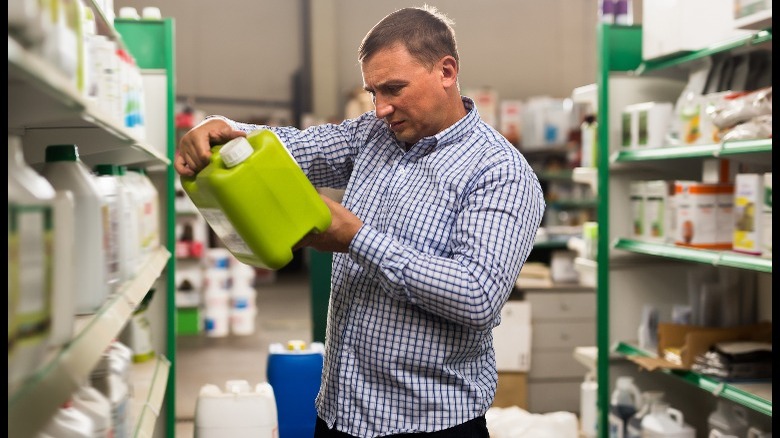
x,y
666,421
257,199
755,432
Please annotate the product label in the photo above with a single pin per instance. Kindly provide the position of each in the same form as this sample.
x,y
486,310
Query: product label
x,y
225,231
30,271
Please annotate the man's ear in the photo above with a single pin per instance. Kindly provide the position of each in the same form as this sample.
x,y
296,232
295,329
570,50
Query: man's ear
x,y
449,71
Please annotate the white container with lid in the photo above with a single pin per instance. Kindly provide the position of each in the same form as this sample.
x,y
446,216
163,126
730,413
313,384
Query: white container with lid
x,y
97,407
68,422
238,411
30,264
65,171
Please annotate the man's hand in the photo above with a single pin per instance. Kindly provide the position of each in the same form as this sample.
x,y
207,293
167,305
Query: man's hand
x,y
343,227
194,149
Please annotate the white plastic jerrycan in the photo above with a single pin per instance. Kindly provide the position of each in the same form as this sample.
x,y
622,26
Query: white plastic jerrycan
x,y
237,412
664,421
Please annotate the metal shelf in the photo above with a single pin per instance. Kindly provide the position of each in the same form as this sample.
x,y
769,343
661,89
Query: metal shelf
x,y
695,255
149,383
697,151
31,405
755,396
759,37
47,108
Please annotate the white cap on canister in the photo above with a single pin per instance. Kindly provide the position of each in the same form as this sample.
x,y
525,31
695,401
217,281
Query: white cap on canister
x,y
236,151
128,12
151,13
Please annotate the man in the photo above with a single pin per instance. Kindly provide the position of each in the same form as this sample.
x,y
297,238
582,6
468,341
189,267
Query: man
x,y
439,214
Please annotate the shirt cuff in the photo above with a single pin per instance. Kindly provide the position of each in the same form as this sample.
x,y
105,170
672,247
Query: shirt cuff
x,y
379,255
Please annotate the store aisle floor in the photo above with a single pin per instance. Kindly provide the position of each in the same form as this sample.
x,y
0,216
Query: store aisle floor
x,y
283,313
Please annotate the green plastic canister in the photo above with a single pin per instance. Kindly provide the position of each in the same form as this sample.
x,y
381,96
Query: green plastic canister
x,y
257,199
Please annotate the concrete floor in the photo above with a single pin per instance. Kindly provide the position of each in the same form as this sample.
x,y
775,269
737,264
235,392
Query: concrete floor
x,y
283,314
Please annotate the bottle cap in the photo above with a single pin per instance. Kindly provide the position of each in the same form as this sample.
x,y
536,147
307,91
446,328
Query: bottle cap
x,y
62,152
107,169
236,151
128,12
296,345
151,13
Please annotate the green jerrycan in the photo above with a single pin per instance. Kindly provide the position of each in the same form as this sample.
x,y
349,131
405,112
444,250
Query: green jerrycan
x,y
257,199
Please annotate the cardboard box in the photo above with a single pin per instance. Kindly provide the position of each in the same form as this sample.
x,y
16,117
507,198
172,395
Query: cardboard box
x,y
512,390
692,340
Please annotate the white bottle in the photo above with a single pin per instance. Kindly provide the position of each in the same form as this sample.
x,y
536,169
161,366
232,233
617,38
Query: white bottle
x,y
649,398
68,422
729,419
624,402
665,421
65,171
110,378
30,265
589,406
150,232
108,183
97,407
131,211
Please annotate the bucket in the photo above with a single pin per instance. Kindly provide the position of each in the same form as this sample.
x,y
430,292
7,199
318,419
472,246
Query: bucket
x,y
257,200
295,373
237,412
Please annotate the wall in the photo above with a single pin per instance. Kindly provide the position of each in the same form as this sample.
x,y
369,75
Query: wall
x,y
247,52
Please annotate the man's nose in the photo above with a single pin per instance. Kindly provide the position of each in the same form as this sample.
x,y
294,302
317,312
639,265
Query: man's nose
x,y
382,107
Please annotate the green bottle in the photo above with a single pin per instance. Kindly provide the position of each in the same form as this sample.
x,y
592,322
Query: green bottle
x,y
257,200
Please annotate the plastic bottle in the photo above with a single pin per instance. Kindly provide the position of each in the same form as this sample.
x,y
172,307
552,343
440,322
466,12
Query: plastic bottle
x,y
150,231
111,377
106,177
65,171
729,419
68,422
649,398
131,212
30,265
589,406
284,205
123,216
607,11
664,421
589,144
624,402
137,333
97,407
295,373
624,12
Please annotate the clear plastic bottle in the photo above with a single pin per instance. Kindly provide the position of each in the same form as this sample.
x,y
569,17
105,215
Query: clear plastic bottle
x,y
624,403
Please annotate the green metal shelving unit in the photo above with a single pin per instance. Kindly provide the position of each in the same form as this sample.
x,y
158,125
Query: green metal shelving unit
x,y
152,44
619,51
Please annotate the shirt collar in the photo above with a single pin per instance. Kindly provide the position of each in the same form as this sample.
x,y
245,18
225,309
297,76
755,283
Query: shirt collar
x,y
452,134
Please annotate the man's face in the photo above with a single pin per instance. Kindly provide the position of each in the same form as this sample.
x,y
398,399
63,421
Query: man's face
x,y
410,97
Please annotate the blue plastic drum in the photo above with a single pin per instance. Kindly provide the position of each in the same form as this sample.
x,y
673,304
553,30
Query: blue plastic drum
x,y
295,372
